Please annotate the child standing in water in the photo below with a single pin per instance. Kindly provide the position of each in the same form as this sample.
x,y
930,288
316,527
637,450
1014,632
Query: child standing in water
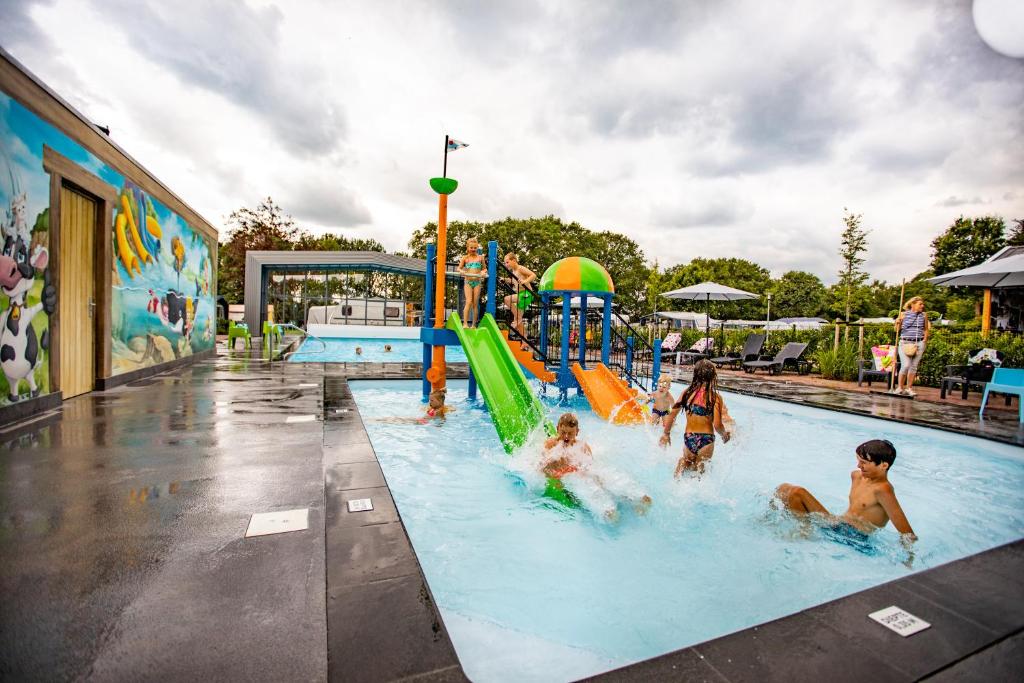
x,y
705,415
436,409
567,456
661,400
473,271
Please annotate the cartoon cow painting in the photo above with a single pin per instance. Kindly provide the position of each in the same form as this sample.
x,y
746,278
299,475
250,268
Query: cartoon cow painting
x,y
21,351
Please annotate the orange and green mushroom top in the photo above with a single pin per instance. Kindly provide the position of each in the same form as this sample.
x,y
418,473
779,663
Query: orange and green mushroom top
x,y
576,274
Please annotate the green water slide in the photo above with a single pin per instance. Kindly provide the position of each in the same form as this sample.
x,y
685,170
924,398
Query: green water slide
x,y
515,409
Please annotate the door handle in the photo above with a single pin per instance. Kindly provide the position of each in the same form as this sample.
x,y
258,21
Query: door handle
x,y
92,306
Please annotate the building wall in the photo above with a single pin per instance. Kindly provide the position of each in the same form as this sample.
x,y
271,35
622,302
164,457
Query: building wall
x,y
159,296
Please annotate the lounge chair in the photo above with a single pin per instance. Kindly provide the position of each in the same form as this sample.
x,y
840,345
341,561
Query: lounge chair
x,y
789,355
701,348
751,352
868,370
972,375
669,343
1009,381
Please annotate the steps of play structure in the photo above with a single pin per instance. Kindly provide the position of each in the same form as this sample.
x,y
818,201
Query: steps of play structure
x,y
526,359
609,396
515,409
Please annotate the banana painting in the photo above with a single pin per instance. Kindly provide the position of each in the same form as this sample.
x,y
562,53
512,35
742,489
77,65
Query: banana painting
x,y
128,258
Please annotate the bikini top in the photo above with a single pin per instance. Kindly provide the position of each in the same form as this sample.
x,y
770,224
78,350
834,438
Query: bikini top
x,y
474,265
698,406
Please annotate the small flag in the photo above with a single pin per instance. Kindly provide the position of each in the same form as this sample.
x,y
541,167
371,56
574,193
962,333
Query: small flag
x,y
454,144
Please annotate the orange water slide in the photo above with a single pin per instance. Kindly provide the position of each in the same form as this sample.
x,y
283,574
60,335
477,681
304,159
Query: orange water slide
x,y
526,359
609,396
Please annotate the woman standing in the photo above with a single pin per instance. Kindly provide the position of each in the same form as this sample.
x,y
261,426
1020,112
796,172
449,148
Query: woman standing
x,y
913,328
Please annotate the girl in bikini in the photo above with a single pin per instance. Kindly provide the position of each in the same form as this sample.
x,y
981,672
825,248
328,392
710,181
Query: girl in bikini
x,y
705,415
472,269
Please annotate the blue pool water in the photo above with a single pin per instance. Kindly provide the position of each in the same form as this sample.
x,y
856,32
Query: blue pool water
x,y
532,591
343,350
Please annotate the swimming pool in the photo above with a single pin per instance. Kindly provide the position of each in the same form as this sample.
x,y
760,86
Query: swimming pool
x,y
532,591
343,350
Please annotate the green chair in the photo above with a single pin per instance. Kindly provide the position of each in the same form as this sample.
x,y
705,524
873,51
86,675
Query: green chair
x,y
272,330
238,331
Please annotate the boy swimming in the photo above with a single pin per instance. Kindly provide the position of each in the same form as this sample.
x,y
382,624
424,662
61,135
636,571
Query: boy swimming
x,y
873,502
566,455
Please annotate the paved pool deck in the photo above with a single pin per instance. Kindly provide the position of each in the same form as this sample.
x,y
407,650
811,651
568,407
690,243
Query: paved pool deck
x,y
122,521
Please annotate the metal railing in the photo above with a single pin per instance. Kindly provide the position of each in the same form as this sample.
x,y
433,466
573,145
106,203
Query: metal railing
x,y
304,334
507,297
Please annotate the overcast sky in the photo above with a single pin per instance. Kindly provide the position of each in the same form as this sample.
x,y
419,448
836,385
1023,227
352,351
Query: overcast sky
x,y
697,128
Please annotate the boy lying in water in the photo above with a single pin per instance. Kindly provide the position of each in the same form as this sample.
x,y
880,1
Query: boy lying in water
x,y
873,501
566,455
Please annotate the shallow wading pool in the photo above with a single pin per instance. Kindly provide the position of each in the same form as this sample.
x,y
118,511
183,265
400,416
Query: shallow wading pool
x,y
532,591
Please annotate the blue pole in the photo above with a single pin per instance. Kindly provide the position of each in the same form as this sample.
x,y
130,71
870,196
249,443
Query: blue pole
x,y
629,359
492,276
544,300
606,329
563,370
582,336
428,314
656,364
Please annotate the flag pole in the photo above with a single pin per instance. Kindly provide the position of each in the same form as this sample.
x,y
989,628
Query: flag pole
x,y
892,375
444,173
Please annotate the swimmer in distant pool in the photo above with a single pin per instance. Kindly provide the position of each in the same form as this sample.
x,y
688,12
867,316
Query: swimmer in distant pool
x,y
387,348
566,455
359,350
873,501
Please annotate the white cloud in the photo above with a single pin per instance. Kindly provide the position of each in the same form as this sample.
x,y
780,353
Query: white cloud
x,y
749,124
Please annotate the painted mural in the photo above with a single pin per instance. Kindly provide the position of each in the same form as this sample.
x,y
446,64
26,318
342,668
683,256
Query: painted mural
x,y
162,303
163,285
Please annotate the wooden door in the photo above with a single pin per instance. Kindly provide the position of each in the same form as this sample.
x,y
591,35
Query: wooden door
x,y
77,297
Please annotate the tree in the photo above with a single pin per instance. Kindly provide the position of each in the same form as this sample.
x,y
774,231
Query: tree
x,y
853,243
966,243
1016,236
798,294
266,227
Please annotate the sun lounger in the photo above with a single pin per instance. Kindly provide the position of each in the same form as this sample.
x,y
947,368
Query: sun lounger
x,y
701,348
669,343
973,375
751,352
789,355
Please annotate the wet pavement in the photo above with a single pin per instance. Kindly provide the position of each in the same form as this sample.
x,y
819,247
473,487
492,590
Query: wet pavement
x,y
123,514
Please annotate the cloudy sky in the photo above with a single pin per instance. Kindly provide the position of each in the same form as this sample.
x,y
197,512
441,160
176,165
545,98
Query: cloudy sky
x,y
697,128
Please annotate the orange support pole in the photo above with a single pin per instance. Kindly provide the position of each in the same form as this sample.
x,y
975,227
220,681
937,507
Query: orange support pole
x,y
437,365
986,313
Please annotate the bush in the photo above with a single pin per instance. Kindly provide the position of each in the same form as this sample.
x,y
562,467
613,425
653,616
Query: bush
x,y
838,363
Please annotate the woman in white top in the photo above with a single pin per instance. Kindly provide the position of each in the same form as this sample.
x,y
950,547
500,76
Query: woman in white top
x,y
913,327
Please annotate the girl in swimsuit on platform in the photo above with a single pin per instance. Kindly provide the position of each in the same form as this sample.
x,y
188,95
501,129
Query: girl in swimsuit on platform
x,y
473,270
705,415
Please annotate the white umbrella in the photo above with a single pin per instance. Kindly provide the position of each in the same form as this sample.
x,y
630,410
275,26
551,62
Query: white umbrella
x,y
708,292
1005,271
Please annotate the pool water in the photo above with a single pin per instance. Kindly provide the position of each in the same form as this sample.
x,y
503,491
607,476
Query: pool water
x,y
343,350
532,591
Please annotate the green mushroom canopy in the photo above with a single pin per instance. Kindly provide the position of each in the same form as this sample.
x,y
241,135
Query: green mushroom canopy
x,y
576,274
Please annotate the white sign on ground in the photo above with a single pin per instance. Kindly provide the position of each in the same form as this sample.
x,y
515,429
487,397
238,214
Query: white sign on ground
x,y
299,418
282,521
360,505
900,621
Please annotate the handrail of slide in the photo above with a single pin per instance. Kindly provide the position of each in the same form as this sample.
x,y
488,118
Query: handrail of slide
x,y
515,409
304,333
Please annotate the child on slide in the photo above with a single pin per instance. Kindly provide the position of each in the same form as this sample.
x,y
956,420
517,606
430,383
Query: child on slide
x,y
568,458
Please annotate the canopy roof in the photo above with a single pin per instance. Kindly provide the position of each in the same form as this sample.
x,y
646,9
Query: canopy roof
x,y
1005,268
576,274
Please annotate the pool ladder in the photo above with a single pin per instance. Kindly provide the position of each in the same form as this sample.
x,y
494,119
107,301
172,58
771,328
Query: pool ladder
x,y
304,334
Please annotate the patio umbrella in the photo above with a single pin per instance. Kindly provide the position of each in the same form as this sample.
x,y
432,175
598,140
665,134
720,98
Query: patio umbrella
x,y
999,271
708,292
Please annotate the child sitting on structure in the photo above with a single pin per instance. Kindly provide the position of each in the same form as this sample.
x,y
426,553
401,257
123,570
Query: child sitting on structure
x,y
569,459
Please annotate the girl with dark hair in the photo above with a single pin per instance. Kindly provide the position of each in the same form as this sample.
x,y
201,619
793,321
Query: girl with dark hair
x,y
705,415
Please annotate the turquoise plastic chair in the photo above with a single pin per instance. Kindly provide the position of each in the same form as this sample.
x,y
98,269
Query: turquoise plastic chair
x,y
239,331
1006,381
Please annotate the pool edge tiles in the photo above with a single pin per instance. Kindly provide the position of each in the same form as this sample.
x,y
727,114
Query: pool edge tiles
x,y
837,647
382,621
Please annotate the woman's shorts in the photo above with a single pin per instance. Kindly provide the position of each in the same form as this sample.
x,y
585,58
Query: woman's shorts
x,y
910,364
